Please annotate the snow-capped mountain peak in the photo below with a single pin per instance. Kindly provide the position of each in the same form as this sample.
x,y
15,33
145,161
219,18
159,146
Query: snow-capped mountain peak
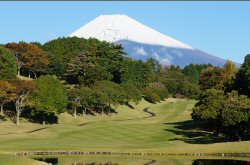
x,y
118,27
142,42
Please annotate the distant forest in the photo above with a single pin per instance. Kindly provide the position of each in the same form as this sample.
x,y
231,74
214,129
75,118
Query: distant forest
x,y
40,81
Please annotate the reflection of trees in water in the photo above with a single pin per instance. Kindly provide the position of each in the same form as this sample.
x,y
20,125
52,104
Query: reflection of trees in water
x,y
151,162
52,161
219,162
108,163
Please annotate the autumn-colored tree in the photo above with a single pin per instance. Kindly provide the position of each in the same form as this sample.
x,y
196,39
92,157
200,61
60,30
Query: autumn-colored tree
x,y
29,56
6,93
22,90
229,72
211,77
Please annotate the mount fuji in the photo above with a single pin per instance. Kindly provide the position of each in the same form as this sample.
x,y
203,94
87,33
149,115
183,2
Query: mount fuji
x,y
142,42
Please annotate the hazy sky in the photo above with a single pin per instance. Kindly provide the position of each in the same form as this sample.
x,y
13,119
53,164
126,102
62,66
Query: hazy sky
x,y
219,28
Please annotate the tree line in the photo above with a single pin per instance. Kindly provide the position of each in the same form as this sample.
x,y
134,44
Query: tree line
x,y
224,104
88,76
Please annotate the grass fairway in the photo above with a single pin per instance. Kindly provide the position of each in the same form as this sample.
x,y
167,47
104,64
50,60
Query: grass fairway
x,y
11,160
171,130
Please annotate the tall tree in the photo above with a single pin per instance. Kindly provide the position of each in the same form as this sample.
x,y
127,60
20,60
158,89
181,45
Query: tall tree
x,y
79,65
242,80
86,99
109,94
19,59
29,56
23,89
211,77
236,114
208,108
228,73
74,100
63,50
8,67
6,93
136,72
51,96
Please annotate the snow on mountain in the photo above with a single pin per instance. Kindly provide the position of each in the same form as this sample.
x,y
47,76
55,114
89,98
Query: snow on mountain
x,y
113,28
142,42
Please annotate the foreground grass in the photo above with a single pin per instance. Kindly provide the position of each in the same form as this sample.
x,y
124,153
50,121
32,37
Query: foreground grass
x,y
10,160
132,160
130,130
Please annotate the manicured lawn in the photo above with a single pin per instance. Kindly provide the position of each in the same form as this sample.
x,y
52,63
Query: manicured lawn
x,y
11,160
130,130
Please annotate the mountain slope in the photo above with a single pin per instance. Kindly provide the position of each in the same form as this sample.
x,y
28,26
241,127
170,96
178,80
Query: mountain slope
x,y
142,42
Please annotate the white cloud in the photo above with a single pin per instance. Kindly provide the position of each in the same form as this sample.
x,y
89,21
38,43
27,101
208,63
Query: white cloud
x,y
178,53
140,51
165,61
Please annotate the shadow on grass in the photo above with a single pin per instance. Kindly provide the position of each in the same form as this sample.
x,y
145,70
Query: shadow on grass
x,y
191,132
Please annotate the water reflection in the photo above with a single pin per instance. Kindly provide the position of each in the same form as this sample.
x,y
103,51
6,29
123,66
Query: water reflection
x,y
220,162
138,161
52,161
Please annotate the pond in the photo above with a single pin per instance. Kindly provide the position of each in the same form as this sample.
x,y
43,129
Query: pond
x,y
113,160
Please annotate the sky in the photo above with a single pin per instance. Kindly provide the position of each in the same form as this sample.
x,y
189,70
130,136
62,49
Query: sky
x,y
218,28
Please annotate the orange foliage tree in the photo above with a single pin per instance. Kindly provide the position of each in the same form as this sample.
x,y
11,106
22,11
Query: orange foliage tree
x,y
29,57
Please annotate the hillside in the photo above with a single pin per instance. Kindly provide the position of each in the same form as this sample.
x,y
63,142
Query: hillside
x,y
164,127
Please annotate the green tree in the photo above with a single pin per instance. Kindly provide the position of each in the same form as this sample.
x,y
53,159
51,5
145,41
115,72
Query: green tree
x,y
151,94
208,108
109,94
87,101
74,100
94,74
105,55
51,96
242,80
8,66
211,77
228,114
136,72
79,66
133,93
236,114
193,71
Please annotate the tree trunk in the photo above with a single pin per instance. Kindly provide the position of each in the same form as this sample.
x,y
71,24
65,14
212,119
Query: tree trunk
x,y
74,112
18,72
17,119
237,135
102,110
109,109
84,111
18,104
29,74
1,107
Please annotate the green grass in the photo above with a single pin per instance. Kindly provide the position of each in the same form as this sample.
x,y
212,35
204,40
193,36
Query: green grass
x,y
11,160
132,160
170,131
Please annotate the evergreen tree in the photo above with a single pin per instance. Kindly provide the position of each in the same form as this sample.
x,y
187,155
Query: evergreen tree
x,y
242,80
8,67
